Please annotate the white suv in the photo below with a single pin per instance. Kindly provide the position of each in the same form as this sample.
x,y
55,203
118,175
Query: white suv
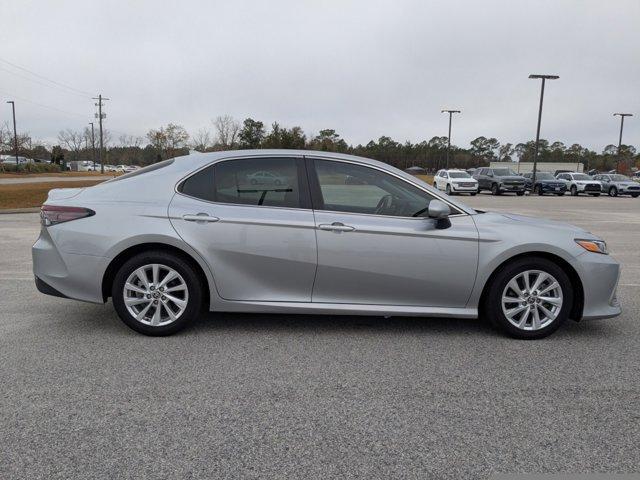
x,y
455,181
580,183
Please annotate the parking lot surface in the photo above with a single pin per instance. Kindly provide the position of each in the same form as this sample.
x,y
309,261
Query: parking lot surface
x,y
263,396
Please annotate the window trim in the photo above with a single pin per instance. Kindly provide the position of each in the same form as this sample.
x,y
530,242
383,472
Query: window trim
x,y
305,195
317,200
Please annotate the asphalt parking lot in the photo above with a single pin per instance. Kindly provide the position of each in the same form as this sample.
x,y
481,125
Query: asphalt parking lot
x,y
263,396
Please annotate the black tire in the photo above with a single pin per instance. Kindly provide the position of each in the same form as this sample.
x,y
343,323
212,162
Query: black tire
x,y
474,194
495,189
435,185
594,194
447,189
520,194
635,195
560,194
613,192
539,190
574,191
492,302
177,263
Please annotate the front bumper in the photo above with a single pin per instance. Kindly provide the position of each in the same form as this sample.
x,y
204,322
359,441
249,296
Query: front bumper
x,y
588,188
599,275
463,189
553,188
505,187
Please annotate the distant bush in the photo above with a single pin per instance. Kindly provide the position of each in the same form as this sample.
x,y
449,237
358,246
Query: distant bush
x,y
30,168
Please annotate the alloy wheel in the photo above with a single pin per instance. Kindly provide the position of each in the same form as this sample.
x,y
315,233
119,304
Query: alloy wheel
x,y
155,295
532,300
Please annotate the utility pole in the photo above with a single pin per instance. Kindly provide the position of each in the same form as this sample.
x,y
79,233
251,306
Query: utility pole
x,y
450,112
621,115
15,133
535,155
100,116
93,145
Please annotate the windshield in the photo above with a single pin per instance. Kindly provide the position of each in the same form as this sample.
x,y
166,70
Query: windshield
x,y
503,172
544,176
581,176
459,175
620,178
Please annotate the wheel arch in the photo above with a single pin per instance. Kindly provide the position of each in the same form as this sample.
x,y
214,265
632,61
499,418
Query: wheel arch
x,y
576,283
129,252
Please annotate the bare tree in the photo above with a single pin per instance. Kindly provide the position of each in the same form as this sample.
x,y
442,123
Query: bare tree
x,y
227,129
168,140
6,137
201,140
73,140
130,140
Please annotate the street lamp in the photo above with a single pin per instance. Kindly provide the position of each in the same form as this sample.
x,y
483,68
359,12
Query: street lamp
x,y
450,112
15,134
535,155
621,115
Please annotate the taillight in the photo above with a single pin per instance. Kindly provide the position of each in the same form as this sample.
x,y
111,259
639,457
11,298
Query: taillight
x,y
52,214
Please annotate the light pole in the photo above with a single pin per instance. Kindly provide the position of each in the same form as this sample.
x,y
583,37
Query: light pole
x,y
535,155
15,134
621,115
450,112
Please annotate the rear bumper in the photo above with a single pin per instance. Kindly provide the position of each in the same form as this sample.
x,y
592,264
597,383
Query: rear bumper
x,y
67,275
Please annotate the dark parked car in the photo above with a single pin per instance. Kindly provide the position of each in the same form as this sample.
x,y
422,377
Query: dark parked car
x,y
499,180
545,183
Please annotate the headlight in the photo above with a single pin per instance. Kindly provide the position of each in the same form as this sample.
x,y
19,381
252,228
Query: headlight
x,y
595,246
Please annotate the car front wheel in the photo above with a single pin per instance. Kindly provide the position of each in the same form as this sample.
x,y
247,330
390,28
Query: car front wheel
x,y
448,189
574,191
495,189
157,293
529,298
613,192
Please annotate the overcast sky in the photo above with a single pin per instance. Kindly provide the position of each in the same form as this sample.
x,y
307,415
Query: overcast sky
x,y
365,68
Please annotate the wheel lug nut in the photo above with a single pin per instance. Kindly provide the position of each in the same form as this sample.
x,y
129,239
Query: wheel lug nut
x,y
152,287
155,302
148,295
163,297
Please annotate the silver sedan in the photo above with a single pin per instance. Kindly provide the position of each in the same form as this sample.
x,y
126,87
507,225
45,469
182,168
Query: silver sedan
x,y
337,234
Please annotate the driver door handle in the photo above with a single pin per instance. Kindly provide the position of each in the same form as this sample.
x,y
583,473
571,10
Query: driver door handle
x,y
200,217
336,227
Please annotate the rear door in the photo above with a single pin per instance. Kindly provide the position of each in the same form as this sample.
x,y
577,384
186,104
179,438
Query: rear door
x,y
251,220
372,250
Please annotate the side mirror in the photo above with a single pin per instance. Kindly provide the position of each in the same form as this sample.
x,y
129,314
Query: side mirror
x,y
438,209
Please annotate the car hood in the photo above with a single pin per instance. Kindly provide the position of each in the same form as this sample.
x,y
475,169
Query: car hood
x,y
523,222
550,182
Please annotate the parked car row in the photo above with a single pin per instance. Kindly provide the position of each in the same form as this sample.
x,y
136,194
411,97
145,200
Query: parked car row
x,y
505,180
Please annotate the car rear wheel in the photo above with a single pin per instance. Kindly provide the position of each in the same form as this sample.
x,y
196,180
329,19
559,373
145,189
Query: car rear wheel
x,y
520,194
539,190
613,192
529,298
635,195
574,190
157,293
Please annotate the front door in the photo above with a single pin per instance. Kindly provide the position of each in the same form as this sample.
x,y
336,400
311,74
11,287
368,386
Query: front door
x,y
251,220
373,250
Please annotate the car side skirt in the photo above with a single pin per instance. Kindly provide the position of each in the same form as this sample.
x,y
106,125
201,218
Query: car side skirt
x,y
343,309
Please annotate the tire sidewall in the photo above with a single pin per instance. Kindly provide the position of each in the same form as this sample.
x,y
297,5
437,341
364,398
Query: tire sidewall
x,y
187,272
493,301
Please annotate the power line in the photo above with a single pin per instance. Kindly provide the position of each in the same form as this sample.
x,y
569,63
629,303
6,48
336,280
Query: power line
x,y
45,78
43,83
42,105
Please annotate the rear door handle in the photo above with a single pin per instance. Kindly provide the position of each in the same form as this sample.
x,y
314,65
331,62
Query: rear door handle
x,y
200,217
336,227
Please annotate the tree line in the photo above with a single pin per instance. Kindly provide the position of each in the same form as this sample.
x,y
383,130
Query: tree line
x,y
226,133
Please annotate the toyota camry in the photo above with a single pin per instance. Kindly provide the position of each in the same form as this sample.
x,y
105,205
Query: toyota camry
x,y
336,234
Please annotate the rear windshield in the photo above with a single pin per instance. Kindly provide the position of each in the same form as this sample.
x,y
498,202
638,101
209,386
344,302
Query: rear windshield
x,y
544,176
503,172
150,168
